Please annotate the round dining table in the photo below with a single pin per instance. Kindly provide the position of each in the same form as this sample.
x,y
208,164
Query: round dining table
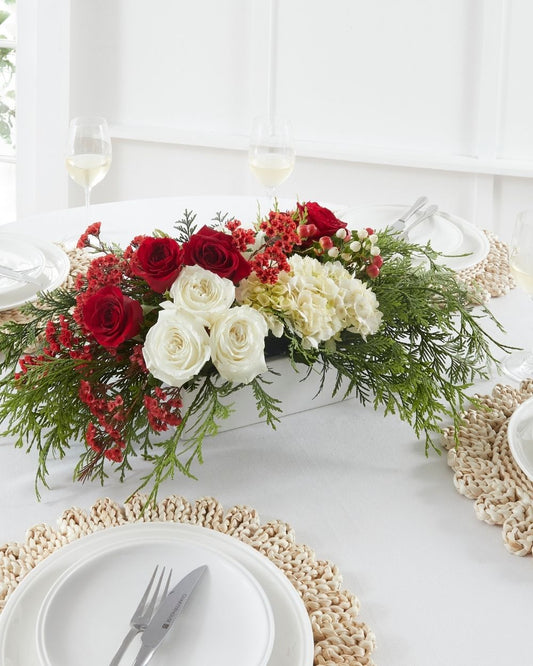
x,y
435,584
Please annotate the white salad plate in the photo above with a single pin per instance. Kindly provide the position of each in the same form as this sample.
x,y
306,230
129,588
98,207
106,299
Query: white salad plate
x,y
520,437
53,273
228,619
19,253
75,606
461,243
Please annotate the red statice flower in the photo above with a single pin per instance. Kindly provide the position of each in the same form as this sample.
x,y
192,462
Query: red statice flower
x,y
281,235
104,434
104,271
92,230
242,238
163,409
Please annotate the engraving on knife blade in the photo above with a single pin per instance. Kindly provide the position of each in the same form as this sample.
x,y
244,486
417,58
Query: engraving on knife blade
x,y
175,610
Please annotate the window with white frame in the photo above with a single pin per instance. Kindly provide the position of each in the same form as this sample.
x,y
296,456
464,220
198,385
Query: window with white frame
x,y
7,109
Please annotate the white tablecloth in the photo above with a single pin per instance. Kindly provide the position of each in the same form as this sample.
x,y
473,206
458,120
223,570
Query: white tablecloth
x,y
435,584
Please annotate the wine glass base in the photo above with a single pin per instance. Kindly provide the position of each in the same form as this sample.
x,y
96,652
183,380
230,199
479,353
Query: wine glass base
x,y
519,366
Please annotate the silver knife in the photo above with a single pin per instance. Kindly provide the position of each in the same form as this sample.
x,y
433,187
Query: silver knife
x,y
166,614
11,274
400,223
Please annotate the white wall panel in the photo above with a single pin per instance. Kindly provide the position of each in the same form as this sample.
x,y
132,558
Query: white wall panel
x,y
511,196
388,99
517,129
396,74
169,62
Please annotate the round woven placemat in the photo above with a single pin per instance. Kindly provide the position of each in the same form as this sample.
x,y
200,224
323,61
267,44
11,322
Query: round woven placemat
x,y
490,278
486,472
338,635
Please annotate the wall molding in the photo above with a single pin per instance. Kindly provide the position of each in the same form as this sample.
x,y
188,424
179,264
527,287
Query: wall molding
x,y
344,152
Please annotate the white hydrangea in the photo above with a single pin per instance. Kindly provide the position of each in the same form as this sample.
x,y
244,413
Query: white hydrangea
x,y
317,300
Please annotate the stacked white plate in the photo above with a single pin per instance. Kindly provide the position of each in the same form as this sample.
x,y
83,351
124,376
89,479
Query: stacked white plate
x,y
520,437
43,262
461,243
75,606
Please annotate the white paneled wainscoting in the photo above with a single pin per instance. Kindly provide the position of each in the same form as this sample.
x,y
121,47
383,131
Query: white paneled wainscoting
x,y
388,100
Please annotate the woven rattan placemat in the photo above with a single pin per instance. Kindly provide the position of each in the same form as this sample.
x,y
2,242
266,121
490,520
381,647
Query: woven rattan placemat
x,y
340,638
491,277
485,470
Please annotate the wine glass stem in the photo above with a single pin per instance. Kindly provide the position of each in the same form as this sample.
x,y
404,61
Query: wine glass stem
x,y
271,193
87,204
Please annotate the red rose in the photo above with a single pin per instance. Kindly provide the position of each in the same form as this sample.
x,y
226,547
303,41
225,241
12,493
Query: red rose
x,y
111,316
324,220
216,252
158,261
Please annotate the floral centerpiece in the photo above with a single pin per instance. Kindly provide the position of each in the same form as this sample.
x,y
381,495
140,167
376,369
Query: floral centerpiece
x,y
147,354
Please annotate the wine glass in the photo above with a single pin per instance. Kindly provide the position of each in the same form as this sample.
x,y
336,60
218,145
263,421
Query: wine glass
x,y
88,153
271,152
519,364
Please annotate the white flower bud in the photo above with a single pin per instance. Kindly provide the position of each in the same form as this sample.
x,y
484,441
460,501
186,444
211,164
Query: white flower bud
x,y
341,233
355,246
374,250
333,252
362,234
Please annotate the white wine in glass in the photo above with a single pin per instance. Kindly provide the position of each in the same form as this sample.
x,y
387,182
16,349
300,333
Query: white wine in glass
x,y
519,365
88,153
271,152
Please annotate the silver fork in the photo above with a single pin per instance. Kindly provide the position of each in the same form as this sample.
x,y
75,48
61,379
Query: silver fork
x,y
429,212
143,613
19,275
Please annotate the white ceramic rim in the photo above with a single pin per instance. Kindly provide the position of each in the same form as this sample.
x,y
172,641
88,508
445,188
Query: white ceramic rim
x,y
293,642
56,269
525,462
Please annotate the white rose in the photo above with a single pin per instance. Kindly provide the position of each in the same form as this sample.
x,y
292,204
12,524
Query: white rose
x,y
176,347
202,293
238,344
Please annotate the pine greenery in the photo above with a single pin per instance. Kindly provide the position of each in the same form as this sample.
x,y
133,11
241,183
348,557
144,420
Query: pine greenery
x,y
429,350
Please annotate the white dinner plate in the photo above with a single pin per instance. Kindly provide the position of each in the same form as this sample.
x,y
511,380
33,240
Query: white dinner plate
x,y
54,272
463,243
228,619
19,252
293,639
520,437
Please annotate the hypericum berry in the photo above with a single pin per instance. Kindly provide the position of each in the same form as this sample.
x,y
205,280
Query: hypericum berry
x,y
372,271
307,230
341,233
326,243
